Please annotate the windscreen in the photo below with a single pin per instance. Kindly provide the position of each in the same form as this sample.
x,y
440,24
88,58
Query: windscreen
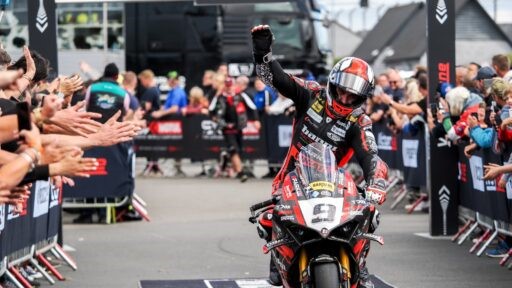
x,y
318,168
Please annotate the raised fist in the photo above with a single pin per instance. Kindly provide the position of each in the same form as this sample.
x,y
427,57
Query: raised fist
x,y
262,39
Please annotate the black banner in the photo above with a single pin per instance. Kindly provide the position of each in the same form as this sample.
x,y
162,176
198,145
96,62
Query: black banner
x,y
198,138
441,68
42,29
404,152
278,130
483,196
113,177
37,221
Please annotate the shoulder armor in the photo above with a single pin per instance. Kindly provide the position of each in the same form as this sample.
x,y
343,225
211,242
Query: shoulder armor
x,y
310,85
364,121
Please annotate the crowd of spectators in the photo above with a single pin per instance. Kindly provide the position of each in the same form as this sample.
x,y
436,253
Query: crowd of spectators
x,y
475,113
45,126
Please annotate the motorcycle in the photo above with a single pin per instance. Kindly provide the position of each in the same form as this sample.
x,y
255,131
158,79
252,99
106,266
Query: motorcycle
x,y
319,225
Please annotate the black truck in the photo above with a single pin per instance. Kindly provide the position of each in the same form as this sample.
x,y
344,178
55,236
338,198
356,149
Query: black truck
x,y
179,36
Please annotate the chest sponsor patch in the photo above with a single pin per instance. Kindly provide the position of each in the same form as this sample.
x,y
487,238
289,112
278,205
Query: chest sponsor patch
x,y
338,131
317,106
334,137
314,115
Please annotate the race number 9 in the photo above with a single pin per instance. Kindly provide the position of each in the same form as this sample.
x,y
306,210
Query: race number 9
x,y
324,213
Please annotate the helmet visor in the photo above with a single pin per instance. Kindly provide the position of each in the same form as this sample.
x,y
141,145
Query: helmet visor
x,y
351,83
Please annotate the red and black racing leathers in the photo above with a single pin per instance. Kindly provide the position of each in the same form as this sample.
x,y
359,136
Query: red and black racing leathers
x,y
313,123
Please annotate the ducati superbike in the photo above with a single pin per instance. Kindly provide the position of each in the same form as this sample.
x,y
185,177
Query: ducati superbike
x,y
317,227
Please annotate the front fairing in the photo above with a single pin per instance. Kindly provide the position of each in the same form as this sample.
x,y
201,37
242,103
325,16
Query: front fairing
x,y
324,212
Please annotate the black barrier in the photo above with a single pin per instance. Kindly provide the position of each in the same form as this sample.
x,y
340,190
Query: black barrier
x,y
403,152
483,196
113,177
278,129
38,221
406,153
197,137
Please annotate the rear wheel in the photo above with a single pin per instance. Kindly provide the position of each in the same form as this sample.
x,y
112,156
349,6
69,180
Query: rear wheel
x,y
326,275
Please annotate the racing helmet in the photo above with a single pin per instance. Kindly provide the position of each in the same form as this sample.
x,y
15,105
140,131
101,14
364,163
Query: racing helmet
x,y
351,75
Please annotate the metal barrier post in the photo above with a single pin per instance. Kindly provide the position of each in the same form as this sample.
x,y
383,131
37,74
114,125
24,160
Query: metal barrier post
x,y
13,279
461,230
65,257
24,283
487,243
50,267
465,236
43,272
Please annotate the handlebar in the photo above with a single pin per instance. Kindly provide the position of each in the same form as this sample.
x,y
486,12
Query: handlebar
x,y
263,204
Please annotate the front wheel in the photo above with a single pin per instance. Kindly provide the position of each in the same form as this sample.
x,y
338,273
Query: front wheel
x,y
326,275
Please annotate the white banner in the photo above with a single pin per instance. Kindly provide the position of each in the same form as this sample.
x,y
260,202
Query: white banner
x,y
509,188
54,196
42,198
477,172
285,135
2,217
410,152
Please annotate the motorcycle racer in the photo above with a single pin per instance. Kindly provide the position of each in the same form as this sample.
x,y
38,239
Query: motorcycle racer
x,y
331,116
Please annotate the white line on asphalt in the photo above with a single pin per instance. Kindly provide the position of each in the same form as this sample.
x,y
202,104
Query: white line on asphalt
x,y
428,236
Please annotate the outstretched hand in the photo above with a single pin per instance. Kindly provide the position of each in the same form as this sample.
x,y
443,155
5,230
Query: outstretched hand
x,y
76,122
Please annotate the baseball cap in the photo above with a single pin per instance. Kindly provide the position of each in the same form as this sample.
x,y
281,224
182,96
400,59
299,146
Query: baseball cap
x,y
444,87
485,72
172,74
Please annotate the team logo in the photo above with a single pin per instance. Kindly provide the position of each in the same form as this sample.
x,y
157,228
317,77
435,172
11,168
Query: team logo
x,y
441,12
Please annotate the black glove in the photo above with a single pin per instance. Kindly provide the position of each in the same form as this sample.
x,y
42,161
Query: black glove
x,y
261,43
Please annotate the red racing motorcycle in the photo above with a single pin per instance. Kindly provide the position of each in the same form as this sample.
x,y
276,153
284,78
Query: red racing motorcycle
x,y
319,224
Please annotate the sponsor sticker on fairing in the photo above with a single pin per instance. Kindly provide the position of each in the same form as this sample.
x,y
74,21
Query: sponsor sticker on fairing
x,y
322,185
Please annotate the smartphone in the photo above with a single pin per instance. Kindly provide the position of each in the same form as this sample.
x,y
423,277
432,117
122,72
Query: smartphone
x,y
493,106
23,113
474,114
433,108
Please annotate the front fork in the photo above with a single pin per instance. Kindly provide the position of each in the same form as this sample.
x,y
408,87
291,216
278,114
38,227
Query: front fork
x,y
344,264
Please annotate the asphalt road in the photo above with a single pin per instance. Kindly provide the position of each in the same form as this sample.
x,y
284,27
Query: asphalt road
x,y
199,230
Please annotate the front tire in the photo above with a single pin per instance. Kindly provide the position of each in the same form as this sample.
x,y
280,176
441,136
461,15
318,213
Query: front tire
x,y
326,275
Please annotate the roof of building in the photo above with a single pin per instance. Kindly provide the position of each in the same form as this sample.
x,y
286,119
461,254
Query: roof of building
x,y
403,28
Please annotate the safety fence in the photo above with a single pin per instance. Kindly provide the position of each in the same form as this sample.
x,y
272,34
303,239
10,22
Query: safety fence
x,y
197,137
27,234
110,186
482,203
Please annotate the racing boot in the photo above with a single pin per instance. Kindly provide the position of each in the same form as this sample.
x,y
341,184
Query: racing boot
x,y
274,278
364,276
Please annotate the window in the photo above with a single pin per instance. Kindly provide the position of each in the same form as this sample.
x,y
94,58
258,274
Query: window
x,y
81,27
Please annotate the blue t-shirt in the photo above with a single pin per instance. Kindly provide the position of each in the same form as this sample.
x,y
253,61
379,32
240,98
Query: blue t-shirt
x,y
176,97
134,102
265,97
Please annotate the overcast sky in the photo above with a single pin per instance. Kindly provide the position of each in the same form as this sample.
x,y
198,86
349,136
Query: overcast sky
x,y
345,8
